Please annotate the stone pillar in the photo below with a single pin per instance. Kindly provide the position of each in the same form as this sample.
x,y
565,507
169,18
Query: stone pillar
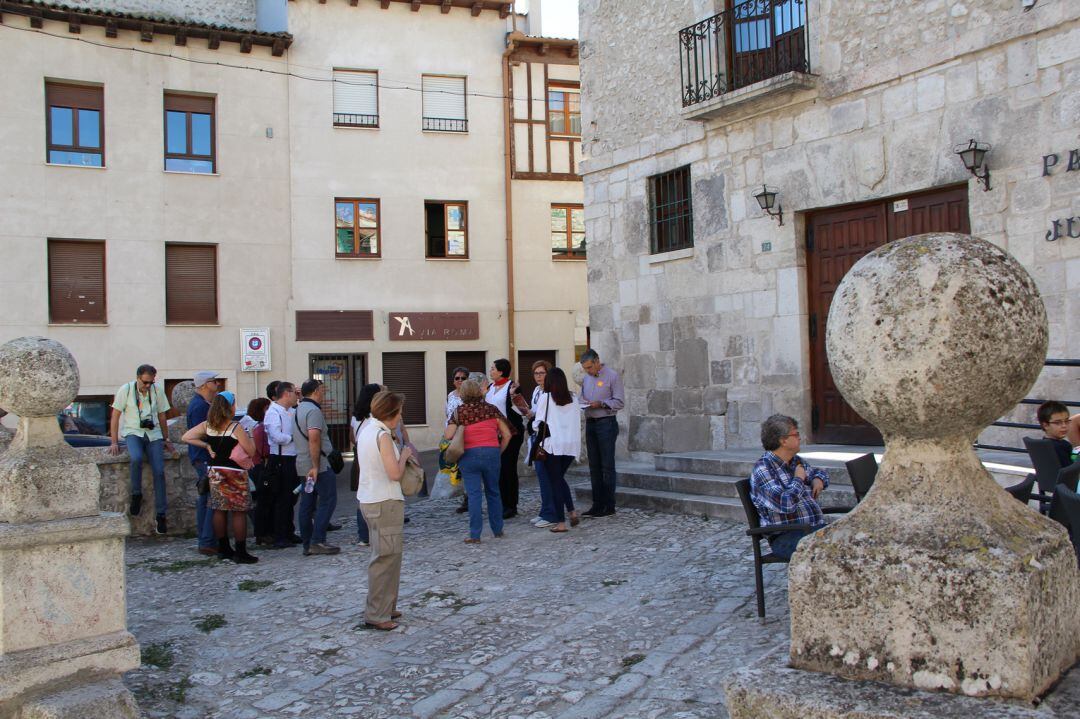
x,y
63,613
938,579
180,399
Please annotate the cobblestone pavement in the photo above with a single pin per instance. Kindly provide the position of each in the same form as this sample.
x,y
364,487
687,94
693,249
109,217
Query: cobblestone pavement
x,y
639,615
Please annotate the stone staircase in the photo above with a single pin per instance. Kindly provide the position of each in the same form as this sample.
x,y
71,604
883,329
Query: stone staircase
x,y
701,483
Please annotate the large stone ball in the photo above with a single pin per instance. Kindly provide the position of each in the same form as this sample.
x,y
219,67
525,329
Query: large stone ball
x,y
38,376
181,395
936,335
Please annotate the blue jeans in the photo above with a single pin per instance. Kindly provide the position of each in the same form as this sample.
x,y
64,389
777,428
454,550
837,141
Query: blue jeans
x,y
555,467
362,532
139,447
317,508
480,471
783,545
204,516
547,501
600,436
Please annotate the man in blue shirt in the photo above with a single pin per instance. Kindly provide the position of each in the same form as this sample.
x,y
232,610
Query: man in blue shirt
x,y
784,488
206,387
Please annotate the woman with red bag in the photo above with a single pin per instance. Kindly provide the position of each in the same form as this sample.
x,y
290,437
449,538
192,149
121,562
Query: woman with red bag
x,y
231,450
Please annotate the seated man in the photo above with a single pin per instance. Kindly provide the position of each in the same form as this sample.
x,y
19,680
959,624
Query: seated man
x,y
1054,419
784,488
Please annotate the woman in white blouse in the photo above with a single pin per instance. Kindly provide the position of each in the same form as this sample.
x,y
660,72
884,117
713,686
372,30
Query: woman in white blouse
x,y
559,409
379,495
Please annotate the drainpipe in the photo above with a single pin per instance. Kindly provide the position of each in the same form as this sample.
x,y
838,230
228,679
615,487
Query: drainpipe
x,y
508,167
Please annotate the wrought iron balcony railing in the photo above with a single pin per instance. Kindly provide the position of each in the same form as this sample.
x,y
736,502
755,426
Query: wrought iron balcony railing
x,y
751,41
444,124
348,119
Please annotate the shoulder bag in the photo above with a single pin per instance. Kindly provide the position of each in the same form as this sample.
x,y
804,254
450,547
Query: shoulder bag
x,y
457,445
536,449
412,479
239,455
334,458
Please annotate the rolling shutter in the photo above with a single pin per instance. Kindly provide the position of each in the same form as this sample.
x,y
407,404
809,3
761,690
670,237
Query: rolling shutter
x,y
356,93
76,282
334,325
191,284
404,372
444,97
472,361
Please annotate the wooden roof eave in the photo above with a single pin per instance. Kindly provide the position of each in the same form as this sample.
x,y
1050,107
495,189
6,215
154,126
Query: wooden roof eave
x,y
147,28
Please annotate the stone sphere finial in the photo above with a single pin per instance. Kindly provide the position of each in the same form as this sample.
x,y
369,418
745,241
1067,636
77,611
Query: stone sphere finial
x,y
182,394
38,376
936,335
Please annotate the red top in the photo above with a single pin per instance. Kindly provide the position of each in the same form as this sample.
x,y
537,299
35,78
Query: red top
x,y
482,434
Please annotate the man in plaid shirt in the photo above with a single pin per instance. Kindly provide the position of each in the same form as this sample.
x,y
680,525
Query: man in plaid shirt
x,y
784,487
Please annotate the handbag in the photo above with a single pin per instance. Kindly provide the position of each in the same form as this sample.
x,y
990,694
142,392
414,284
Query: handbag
x,y
334,458
536,449
412,480
238,456
457,444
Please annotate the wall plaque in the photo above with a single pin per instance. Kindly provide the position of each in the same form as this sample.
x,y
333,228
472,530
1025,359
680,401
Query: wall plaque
x,y
405,326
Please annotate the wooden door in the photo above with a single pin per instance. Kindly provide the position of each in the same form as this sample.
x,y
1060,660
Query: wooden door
x,y
343,375
836,240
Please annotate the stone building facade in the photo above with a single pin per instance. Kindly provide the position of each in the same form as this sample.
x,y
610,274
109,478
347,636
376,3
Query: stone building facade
x,y
855,126
307,161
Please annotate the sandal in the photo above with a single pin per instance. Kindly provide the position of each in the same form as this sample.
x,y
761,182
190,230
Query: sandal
x,y
470,540
558,531
575,520
382,626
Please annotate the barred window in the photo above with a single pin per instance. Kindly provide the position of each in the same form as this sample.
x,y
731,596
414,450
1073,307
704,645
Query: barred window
x,y
671,211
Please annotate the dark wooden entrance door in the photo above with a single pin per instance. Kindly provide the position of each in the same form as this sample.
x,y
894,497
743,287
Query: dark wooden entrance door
x,y
344,375
836,240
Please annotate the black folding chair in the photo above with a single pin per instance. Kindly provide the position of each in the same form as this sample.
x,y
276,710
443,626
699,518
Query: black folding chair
x,y
863,471
1047,467
1022,490
1065,508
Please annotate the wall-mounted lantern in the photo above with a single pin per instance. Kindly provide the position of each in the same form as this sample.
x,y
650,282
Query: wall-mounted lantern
x,y
766,199
973,155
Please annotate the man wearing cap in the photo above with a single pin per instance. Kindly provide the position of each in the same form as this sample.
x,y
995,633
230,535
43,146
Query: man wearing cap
x,y
206,387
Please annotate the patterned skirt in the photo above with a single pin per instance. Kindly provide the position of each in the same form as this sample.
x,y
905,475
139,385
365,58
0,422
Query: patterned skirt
x,y
229,489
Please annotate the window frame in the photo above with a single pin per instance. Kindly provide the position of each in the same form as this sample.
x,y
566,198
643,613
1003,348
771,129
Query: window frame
x,y
447,204
75,106
563,86
464,104
682,217
356,254
53,319
378,107
189,104
217,287
571,254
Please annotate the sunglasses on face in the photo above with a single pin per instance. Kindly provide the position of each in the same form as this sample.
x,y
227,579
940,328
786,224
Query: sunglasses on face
x,y
460,379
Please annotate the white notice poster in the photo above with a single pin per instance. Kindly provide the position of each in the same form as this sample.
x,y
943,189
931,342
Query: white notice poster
x,y
255,349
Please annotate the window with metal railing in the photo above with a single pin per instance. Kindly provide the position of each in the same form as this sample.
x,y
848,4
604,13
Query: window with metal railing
x,y
445,109
356,98
750,41
671,211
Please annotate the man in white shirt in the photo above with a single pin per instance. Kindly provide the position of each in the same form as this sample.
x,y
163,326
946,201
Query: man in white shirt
x,y
281,464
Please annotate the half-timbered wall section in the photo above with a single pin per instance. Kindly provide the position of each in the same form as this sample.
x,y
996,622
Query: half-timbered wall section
x,y
545,114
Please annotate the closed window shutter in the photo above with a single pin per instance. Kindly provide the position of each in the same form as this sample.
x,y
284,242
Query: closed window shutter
x,y
76,282
472,361
191,284
356,93
444,97
404,372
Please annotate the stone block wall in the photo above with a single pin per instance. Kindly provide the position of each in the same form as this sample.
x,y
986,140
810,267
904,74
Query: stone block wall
x,y
713,339
179,484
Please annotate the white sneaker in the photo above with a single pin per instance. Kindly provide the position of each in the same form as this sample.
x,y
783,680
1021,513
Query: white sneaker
x,y
535,520
543,523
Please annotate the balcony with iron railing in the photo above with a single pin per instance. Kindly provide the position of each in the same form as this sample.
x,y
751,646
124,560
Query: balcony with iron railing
x,y
755,47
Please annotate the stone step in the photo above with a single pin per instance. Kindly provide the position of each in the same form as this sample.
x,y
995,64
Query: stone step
x,y
675,502
735,464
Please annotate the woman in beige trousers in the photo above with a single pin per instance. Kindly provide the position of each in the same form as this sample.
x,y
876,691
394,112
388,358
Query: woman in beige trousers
x,y
381,502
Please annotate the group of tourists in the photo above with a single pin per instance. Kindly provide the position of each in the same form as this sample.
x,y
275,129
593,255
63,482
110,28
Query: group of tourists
x,y
261,464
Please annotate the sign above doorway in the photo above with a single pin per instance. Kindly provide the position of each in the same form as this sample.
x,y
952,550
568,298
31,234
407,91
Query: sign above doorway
x,y
413,326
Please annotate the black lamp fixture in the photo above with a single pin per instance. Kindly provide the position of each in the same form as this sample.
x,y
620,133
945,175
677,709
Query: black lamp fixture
x,y
973,155
766,199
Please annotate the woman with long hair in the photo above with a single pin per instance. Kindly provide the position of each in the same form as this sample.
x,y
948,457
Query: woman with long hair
x,y
546,516
361,412
221,437
382,503
558,408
